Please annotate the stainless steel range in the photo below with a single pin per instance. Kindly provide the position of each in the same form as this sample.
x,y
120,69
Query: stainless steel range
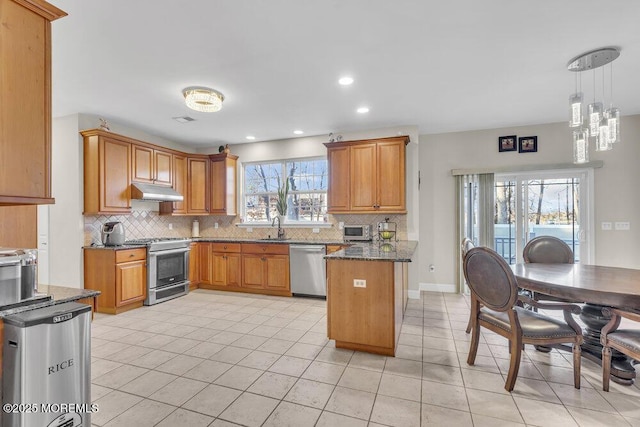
x,y
167,268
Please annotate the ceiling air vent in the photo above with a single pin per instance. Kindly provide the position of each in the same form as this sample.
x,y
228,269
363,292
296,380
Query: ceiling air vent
x,y
184,119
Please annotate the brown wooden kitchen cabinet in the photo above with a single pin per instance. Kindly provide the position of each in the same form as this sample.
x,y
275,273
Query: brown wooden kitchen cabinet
x,y
194,265
107,173
25,101
226,264
204,259
265,267
150,165
223,184
197,185
367,176
120,276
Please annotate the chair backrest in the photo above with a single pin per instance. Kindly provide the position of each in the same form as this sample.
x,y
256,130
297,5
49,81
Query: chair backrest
x,y
490,279
547,250
466,245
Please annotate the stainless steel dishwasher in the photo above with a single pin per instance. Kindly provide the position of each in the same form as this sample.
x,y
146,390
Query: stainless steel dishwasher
x,y
308,270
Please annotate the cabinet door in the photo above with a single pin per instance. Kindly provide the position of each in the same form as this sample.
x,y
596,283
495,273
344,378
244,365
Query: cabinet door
x,y
142,164
194,263
338,193
205,263
197,186
219,269
180,183
277,272
25,101
115,176
223,184
131,282
253,271
363,177
234,269
163,165
391,176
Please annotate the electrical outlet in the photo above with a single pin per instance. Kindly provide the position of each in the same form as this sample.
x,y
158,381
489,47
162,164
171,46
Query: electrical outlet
x,y
249,229
605,226
215,225
340,225
359,283
623,226
315,230
170,226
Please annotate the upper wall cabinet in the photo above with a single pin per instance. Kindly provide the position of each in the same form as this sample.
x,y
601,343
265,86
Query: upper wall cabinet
x,y
25,101
107,173
151,166
223,184
367,176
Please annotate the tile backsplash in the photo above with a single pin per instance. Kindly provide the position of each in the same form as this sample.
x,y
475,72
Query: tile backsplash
x,y
145,221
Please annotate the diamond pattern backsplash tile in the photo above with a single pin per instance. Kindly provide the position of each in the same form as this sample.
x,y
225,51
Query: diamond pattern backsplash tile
x,y
148,223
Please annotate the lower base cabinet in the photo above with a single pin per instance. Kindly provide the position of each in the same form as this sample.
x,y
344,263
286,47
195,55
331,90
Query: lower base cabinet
x,y
120,276
244,267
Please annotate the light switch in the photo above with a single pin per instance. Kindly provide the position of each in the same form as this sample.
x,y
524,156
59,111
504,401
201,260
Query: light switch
x,y
359,283
605,226
315,230
622,226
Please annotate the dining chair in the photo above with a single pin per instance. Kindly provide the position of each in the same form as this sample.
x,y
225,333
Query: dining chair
x,y
626,341
547,250
465,246
494,298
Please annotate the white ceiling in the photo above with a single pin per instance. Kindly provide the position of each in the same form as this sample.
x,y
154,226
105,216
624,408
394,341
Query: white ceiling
x,y
442,65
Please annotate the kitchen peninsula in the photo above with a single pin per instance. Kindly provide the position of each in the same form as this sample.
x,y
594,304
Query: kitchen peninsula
x,y
367,295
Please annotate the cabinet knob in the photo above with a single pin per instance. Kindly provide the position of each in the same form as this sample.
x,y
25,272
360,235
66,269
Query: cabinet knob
x,y
263,259
225,246
131,255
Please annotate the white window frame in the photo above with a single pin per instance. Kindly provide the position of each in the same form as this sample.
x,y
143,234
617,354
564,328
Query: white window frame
x,y
283,162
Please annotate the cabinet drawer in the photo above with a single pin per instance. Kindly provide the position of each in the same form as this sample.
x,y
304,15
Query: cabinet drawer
x,y
226,247
273,249
127,255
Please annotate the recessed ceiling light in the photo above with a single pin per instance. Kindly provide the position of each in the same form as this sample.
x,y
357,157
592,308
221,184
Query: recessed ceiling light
x,y
250,137
363,110
345,81
298,132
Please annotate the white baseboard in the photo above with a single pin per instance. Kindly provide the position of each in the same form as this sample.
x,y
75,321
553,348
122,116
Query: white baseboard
x,y
439,287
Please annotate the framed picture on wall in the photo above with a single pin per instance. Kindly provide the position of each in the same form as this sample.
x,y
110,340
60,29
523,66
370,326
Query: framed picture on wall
x,y
528,144
507,143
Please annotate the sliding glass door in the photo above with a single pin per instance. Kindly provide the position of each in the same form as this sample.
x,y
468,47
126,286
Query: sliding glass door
x,y
552,203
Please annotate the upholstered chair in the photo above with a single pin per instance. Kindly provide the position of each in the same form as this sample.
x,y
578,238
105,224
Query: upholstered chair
x,y
626,341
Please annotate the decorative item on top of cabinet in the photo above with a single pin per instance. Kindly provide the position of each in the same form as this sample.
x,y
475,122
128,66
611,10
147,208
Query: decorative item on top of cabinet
x,y
120,276
25,101
367,176
107,173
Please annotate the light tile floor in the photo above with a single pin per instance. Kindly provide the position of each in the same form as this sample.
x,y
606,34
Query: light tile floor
x,y
223,359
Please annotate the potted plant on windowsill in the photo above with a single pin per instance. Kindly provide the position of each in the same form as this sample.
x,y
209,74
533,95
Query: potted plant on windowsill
x,y
281,203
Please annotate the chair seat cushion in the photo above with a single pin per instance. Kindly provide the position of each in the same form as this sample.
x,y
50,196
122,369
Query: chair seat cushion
x,y
627,338
534,325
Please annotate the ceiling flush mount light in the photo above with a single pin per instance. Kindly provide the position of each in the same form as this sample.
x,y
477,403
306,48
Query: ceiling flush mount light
x,y
203,99
363,110
345,81
602,125
298,132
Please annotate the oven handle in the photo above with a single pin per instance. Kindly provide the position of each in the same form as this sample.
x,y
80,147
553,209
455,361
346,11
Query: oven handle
x,y
176,285
169,252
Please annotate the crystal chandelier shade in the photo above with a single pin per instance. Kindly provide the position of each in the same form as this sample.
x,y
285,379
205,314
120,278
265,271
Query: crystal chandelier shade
x,y
203,99
599,125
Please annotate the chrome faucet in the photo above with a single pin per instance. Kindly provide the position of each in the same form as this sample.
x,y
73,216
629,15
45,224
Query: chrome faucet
x,y
280,229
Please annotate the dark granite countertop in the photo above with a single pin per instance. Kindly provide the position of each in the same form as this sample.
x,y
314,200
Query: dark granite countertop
x,y
114,248
281,241
48,295
401,251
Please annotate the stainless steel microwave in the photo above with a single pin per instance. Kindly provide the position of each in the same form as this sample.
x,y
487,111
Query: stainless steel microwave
x,y
363,232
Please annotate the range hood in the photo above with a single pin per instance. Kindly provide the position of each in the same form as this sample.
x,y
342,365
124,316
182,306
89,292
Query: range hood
x,y
156,193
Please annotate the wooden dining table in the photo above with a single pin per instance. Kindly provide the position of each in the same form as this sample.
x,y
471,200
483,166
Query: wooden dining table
x,y
596,287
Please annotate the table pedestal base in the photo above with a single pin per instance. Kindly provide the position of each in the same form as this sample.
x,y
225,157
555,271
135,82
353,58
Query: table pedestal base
x,y
622,371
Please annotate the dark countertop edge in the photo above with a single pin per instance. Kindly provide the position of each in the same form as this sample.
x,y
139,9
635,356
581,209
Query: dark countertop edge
x,y
403,253
114,248
363,258
83,293
231,240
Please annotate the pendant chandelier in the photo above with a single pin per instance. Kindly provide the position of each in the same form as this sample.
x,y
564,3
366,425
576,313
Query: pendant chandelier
x,y
600,125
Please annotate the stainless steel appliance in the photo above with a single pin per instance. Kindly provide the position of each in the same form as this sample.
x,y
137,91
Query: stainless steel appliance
x,y
167,268
18,275
46,367
361,232
154,192
308,270
113,234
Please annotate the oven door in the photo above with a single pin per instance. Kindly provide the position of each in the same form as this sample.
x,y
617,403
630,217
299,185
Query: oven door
x,y
168,267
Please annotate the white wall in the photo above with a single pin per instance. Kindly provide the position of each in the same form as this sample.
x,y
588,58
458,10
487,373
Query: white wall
x,y
616,195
